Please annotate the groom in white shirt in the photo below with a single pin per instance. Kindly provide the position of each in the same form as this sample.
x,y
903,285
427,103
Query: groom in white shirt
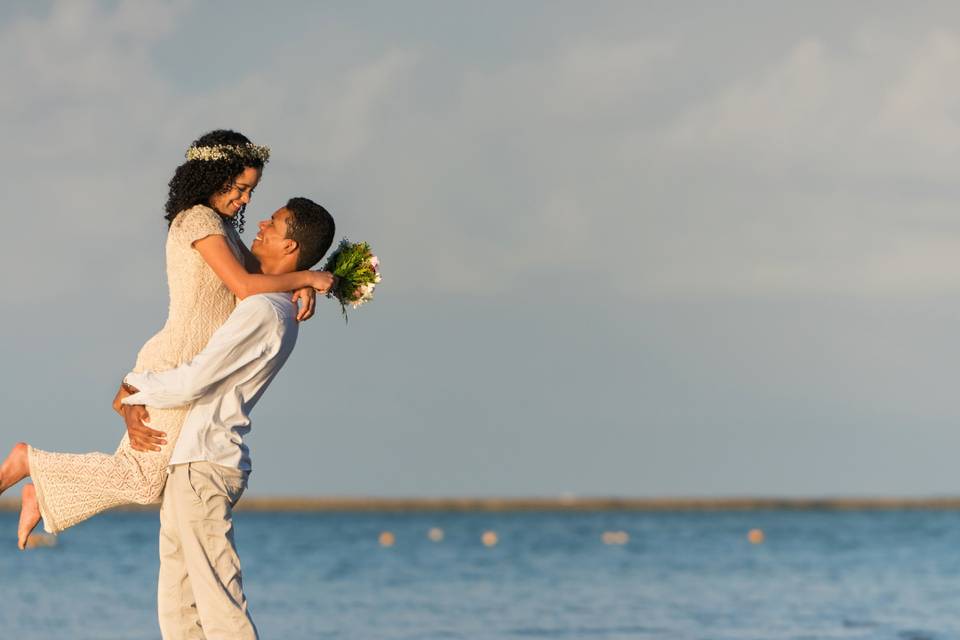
x,y
200,591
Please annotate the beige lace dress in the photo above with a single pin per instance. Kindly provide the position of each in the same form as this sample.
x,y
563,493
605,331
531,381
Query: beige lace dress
x,y
73,487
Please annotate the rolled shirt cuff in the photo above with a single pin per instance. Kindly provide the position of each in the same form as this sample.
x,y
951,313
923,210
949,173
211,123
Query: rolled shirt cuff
x,y
135,380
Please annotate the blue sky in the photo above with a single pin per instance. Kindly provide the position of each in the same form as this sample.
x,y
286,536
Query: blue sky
x,y
628,248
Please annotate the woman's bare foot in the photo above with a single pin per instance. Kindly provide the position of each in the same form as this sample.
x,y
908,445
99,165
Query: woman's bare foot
x,y
15,468
29,515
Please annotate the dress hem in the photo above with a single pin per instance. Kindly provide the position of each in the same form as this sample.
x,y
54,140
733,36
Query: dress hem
x,y
50,525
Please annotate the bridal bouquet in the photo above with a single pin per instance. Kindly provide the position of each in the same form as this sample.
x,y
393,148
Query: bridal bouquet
x,y
357,273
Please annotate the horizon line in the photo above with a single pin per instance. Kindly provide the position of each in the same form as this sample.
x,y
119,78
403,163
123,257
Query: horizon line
x,y
334,504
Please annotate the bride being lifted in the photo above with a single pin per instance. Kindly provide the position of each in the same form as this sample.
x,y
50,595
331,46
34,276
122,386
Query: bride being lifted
x,y
208,269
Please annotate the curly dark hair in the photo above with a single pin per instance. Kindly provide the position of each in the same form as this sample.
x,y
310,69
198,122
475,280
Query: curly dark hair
x,y
195,181
312,227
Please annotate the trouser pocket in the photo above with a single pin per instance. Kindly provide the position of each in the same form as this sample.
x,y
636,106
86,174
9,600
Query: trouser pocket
x,y
216,487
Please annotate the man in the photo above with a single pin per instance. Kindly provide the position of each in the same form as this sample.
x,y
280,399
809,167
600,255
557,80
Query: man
x,y
200,592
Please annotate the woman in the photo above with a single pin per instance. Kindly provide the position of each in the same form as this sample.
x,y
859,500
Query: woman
x,y
208,268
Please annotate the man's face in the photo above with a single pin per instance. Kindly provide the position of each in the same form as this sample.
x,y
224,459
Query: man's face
x,y
272,241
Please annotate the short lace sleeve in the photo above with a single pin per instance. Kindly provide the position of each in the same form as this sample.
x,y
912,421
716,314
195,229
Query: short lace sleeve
x,y
195,224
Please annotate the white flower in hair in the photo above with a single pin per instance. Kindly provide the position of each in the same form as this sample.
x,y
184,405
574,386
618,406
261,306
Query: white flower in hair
x,y
247,151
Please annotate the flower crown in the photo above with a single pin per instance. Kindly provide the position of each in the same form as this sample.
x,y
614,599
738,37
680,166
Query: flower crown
x,y
248,151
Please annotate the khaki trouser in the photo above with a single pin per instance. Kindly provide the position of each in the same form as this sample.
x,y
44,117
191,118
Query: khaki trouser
x,y
200,591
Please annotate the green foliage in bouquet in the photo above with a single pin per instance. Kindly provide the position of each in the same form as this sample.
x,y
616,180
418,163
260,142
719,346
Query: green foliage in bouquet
x,y
357,272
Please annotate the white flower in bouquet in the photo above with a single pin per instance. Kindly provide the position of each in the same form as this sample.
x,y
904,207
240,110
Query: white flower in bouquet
x,y
357,271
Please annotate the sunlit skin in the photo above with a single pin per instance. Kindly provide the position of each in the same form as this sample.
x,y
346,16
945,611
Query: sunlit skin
x,y
217,253
237,276
238,195
277,255
14,469
242,279
272,238
29,515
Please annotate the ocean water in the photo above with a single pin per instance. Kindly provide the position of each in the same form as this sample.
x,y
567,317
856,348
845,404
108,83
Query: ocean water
x,y
886,575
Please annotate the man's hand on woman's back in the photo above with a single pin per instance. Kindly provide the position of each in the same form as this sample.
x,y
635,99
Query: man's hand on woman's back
x,y
142,437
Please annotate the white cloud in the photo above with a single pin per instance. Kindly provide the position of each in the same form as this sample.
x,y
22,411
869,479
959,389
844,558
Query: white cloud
x,y
919,110
827,170
508,179
477,177
780,109
82,102
71,76
367,93
576,162
877,106
592,78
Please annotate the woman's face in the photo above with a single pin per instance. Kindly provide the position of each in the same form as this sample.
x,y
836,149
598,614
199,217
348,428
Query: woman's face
x,y
237,193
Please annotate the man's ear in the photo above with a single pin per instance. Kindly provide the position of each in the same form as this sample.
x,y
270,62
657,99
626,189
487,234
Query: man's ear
x,y
290,246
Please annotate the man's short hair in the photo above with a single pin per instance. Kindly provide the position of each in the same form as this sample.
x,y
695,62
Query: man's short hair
x,y
312,227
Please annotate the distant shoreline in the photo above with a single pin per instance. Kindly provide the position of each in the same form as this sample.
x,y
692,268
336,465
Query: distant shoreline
x,y
572,504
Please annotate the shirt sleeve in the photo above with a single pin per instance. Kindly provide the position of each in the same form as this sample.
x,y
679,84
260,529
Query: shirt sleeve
x,y
242,339
197,223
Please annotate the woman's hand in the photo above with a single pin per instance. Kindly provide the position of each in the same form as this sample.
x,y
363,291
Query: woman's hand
x,y
308,301
322,281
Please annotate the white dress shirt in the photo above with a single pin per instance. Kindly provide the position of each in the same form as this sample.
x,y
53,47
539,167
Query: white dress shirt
x,y
224,381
